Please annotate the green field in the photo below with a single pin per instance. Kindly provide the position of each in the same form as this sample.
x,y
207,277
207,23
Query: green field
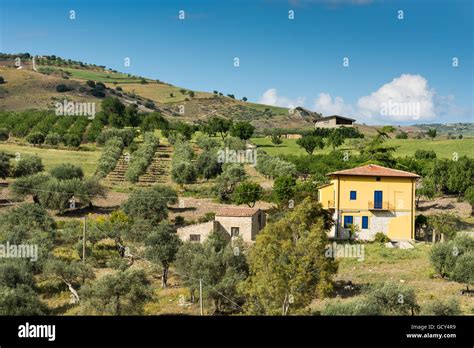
x,y
52,157
98,76
443,148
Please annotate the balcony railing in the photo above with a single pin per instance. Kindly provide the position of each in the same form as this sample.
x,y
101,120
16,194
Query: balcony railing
x,y
331,204
380,206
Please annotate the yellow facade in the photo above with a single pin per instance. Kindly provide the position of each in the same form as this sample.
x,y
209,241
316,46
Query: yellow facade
x,y
390,211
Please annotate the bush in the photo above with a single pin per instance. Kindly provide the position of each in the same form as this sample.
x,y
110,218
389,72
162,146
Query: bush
x,y
401,135
150,105
381,237
62,88
110,154
72,140
27,165
393,299
125,135
52,139
2,80
100,86
464,269
4,134
91,83
142,158
354,307
35,138
98,93
440,307
425,154
66,171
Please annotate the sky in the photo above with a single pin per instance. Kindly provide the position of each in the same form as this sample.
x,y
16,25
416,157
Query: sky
x,y
359,58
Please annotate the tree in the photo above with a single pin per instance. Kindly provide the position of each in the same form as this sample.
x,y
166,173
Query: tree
x,y
460,175
232,174
21,300
443,225
335,138
150,203
310,142
183,173
276,139
122,293
427,189
288,263
468,196
393,299
4,134
244,99
220,265
35,138
242,130
162,246
284,189
432,133
464,270
66,171
440,307
207,165
247,192
69,273
219,125
4,165
27,165
71,140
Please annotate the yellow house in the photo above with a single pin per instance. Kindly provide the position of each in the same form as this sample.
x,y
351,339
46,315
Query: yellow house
x,y
373,199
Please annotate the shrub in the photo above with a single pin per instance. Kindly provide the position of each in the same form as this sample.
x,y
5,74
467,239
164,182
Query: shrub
x,y
2,80
110,154
381,237
125,135
150,105
35,138
4,134
119,88
66,171
62,88
98,93
27,165
440,307
142,158
464,269
91,83
71,140
393,299
52,139
100,86
354,307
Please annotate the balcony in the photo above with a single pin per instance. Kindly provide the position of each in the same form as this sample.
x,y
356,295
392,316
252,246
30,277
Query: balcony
x,y
380,206
331,205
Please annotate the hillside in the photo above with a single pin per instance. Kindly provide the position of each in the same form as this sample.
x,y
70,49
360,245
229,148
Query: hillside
x,y
27,88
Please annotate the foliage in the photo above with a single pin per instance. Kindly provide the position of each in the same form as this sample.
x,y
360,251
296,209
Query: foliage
x,y
243,130
66,171
141,159
27,165
125,135
284,189
310,142
232,174
440,307
4,165
247,192
274,167
35,138
288,266
464,269
381,237
110,155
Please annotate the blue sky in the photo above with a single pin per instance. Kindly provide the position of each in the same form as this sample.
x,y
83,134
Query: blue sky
x,y
282,62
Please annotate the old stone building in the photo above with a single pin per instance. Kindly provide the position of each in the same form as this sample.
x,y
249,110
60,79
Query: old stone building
x,y
232,221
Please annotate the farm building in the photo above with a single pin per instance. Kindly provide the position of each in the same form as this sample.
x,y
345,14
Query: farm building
x,y
371,199
334,121
232,221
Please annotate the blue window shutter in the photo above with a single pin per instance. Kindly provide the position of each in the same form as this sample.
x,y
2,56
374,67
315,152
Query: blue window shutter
x,y
365,222
353,195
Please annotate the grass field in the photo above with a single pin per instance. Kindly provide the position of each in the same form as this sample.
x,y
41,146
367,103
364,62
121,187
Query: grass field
x,y
410,267
52,157
160,92
443,148
98,76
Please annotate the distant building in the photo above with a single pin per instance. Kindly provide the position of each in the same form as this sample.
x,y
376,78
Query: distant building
x,y
334,121
373,199
232,222
292,136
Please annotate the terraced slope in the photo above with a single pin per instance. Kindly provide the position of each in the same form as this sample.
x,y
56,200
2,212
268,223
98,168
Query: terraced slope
x,y
117,176
159,169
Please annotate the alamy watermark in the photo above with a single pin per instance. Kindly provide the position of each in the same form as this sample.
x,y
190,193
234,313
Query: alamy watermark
x,y
70,108
392,108
21,251
237,156
345,250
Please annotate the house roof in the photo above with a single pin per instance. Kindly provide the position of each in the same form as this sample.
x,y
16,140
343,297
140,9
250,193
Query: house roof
x,y
375,170
237,211
335,116
325,185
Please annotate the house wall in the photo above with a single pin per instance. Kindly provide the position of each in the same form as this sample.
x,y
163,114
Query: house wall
x,y
243,223
204,230
333,123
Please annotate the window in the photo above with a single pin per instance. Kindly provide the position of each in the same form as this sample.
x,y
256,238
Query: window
x,y
260,220
365,222
353,195
377,178
234,231
195,237
348,221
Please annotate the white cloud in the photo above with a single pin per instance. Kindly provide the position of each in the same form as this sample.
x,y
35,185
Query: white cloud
x,y
271,97
328,106
405,98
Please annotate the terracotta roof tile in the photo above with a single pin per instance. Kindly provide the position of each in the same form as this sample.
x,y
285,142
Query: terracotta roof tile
x,y
236,211
375,170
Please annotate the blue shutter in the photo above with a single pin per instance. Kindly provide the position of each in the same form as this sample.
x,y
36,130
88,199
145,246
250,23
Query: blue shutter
x,y
378,198
365,222
353,195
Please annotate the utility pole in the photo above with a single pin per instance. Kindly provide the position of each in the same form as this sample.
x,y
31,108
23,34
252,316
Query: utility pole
x,y
200,295
84,241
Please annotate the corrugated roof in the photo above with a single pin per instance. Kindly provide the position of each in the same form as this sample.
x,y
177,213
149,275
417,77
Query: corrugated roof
x,y
237,212
375,170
